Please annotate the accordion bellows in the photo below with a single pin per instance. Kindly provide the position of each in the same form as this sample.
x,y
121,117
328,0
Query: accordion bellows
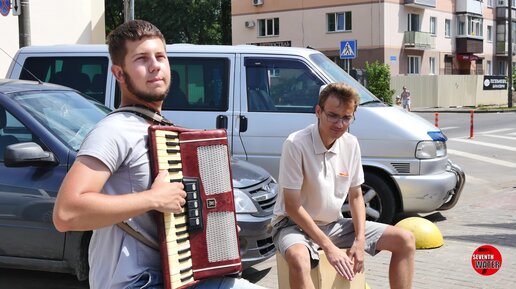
x,y
202,241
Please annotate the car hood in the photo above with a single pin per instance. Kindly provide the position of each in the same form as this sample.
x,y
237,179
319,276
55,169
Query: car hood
x,y
394,123
390,131
246,174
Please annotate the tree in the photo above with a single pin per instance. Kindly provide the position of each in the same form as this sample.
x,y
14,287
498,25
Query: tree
x,y
180,21
378,77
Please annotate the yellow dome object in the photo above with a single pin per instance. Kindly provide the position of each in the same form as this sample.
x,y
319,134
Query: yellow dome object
x,y
367,286
427,234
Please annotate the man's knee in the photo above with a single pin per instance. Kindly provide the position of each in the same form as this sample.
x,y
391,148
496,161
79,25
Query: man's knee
x,y
408,241
298,259
397,240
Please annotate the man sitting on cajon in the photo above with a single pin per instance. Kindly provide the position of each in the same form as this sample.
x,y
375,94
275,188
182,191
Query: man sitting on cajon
x,y
319,166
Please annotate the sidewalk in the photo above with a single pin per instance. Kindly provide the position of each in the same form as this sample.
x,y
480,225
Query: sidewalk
x,y
475,221
465,109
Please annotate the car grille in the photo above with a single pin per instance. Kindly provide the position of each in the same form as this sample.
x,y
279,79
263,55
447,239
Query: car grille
x,y
265,246
265,194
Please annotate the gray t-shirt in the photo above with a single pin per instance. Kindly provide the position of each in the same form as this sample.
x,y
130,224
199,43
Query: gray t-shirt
x,y
116,259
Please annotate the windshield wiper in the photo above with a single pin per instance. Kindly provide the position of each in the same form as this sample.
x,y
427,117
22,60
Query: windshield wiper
x,y
372,101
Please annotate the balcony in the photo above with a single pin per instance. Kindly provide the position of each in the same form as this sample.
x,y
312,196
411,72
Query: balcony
x,y
420,3
418,40
465,45
468,6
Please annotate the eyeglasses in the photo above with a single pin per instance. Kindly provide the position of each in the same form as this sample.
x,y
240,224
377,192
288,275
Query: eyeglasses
x,y
333,118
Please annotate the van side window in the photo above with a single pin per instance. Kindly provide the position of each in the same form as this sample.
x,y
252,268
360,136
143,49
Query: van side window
x,y
280,85
86,74
198,84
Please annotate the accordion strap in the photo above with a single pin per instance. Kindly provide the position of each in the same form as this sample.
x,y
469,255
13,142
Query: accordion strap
x,y
144,112
155,116
137,235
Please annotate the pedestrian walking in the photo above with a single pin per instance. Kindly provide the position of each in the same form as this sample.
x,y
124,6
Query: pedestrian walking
x,y
405,98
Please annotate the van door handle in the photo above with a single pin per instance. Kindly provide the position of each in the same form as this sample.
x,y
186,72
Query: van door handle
x,y
243,124
221,122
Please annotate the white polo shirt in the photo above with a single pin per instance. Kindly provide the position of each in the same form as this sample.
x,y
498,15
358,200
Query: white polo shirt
x,y
323,176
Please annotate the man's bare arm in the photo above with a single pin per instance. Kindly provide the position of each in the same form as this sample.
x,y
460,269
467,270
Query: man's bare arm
x,y
357,207
339,260
81,204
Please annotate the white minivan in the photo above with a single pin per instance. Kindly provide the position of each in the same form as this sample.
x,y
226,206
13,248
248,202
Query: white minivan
x,y
261,95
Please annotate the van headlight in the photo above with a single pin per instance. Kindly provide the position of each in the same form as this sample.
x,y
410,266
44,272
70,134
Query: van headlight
x,y
243,203
430,149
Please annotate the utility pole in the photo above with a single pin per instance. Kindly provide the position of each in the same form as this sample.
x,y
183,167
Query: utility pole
x,y
24,24
128,10
509,52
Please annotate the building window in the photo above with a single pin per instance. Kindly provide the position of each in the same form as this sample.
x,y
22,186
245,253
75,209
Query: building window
x,y
489,33
338,22
268,27
501,67
433,25
413,64
489,68
448,64
468,25
431,62
413,22
490,3
479,69
447,28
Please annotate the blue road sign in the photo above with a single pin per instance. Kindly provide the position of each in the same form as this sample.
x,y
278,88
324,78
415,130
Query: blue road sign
x,y
5,7
348,49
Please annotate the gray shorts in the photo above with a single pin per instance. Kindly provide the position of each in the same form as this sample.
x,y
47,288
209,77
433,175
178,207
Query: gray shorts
x,y
286,233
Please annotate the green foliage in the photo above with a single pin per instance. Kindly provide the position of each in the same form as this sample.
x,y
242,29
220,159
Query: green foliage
x,y
378,77
180,21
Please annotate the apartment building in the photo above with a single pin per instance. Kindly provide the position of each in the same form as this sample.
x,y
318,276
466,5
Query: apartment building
x,y
421,37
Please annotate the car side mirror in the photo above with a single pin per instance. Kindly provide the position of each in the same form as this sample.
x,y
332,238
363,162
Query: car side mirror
x,y
28,154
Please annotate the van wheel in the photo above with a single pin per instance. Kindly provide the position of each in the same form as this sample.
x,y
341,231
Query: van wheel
x,y
378,198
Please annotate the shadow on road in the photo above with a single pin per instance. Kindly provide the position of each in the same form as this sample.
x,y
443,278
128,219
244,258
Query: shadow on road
x,y
24,279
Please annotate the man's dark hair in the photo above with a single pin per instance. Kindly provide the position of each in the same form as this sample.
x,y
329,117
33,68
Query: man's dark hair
x,y
343,92
132,30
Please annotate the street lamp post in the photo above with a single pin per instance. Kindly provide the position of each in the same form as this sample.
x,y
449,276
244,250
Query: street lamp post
x,y
128,10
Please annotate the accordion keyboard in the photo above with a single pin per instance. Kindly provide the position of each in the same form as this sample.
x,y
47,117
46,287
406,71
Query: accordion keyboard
x,y
176,225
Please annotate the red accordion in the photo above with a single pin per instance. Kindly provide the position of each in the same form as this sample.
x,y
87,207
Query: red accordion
x,y
202,241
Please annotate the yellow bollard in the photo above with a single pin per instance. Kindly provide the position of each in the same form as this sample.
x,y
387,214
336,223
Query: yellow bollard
x,y
426,233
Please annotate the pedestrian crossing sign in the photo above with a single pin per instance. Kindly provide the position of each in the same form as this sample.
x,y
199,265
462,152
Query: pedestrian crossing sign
x,y
348,49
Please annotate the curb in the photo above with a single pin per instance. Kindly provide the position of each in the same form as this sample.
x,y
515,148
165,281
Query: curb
x,y
462,110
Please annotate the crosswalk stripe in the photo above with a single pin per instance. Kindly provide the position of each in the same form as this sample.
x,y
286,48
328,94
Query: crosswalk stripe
x,y
470,141
500,136
495,131
478,181
482,158
449,127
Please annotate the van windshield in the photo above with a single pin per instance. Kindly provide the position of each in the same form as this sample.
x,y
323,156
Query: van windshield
x,y
337,74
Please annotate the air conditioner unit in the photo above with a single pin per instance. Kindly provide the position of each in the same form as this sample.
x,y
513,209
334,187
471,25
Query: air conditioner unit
x,y
260,2
249,24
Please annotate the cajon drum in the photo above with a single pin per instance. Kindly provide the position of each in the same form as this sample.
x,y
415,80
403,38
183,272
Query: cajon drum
x,y
324,275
